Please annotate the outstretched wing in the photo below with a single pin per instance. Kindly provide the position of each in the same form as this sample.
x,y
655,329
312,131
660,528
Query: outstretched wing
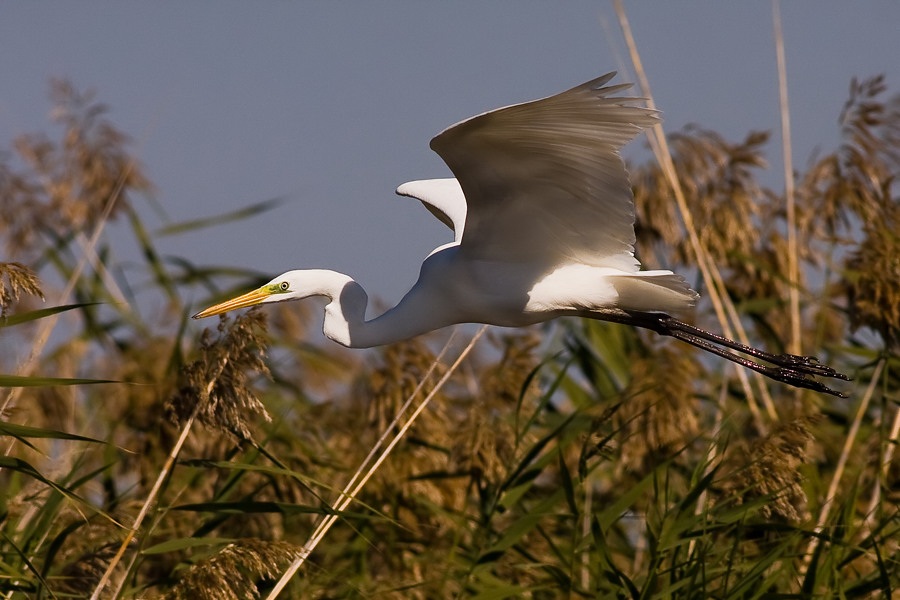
x,y
544,181
443,198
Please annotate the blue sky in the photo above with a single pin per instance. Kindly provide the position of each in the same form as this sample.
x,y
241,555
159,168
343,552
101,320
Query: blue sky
x,y
332,104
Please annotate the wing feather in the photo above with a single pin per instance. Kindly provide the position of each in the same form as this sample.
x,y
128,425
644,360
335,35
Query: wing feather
x,y
544,181
443,198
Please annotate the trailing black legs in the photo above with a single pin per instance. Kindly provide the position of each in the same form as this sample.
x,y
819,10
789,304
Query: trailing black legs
x,y
791,369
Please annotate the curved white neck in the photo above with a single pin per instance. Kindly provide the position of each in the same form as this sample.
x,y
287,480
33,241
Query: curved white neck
x,y
345,314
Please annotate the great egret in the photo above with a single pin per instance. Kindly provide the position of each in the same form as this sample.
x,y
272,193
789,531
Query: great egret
x,y
543,219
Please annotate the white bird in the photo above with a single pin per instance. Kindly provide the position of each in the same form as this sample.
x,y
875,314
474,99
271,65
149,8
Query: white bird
x,y
543,219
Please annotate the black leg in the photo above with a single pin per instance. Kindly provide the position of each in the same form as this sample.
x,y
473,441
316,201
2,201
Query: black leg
x,y
788,368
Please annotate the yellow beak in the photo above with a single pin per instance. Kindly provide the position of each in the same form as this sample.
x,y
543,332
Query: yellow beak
x,y
249,299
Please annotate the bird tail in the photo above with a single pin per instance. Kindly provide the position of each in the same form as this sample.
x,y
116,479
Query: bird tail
x,y
654,291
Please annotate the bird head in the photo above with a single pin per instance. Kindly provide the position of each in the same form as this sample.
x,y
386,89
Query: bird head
x,y
282,288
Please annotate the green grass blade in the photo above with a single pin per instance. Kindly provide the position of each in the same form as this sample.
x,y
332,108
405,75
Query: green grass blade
x,y
251,507
185,544
237,215
23,432
26,381
26,561
21,466
34,315
142,237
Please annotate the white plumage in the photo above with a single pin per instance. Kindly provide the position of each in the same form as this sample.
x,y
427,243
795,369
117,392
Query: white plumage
x,y
543,218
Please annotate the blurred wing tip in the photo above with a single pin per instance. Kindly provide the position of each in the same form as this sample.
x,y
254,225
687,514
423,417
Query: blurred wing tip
x,y
598,82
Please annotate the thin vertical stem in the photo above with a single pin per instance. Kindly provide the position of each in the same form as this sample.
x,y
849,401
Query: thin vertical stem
x,y
707,268
350,491
884,464
47,325
157,486
712,456
587,511
402,410
794,343
842,460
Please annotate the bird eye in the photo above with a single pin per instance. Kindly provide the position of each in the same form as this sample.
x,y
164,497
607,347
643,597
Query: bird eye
x,y
285,286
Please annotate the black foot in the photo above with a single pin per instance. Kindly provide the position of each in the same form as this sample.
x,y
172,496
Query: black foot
x,y
807,364
791,369
801,379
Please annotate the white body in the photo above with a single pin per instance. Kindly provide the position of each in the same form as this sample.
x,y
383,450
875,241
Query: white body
x,y
543,220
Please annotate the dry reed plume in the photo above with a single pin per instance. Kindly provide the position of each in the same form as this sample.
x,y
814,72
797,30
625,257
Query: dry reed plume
x,y
578,459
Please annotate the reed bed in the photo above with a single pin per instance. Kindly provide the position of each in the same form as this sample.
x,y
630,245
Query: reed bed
x,y
144,459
